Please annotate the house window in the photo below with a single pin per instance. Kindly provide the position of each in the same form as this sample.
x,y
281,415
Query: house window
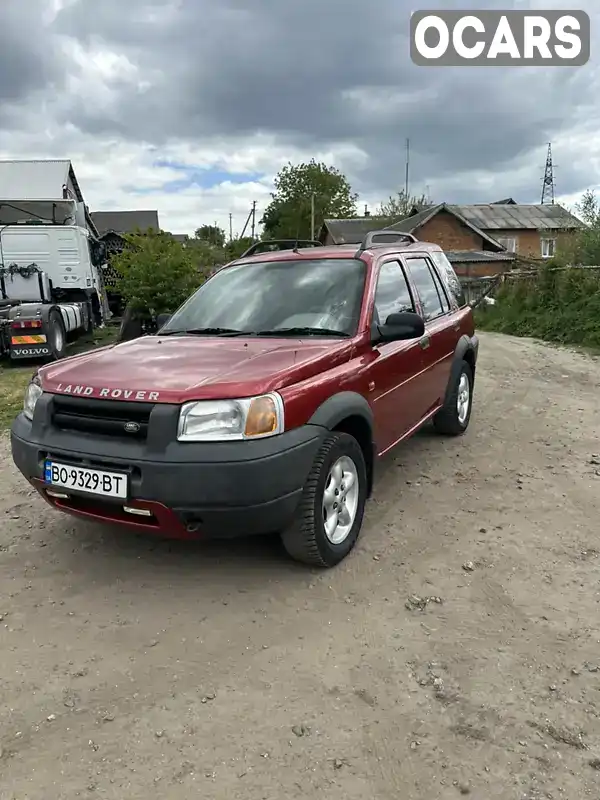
x,y
548,248
509,244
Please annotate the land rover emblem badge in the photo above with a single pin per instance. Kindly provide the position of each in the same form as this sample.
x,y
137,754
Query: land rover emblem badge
x,y
131,427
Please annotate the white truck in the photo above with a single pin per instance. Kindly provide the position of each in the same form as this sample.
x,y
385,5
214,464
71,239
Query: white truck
x,y
51,287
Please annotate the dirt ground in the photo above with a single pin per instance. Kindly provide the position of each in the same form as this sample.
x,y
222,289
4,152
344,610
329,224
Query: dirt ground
x,y
456,652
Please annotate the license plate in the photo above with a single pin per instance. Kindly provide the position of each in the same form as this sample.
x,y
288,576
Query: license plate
x,y
83,479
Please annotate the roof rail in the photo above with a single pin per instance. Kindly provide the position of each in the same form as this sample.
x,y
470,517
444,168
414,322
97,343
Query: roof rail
x,y
270,245
389,237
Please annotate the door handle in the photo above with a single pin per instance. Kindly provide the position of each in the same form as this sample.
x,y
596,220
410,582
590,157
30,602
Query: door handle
x,y
424,343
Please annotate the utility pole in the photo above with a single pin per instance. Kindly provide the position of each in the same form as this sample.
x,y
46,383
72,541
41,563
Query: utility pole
x,y
312,216
407,167
253,219
230,227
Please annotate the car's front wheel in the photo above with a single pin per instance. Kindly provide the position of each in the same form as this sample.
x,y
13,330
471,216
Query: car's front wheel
x,y
330,513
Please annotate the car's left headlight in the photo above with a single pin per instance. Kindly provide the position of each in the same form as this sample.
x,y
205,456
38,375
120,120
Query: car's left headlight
x,y
32,394
227,420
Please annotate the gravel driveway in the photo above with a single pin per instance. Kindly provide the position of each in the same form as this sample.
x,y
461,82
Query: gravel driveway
x,y
456,652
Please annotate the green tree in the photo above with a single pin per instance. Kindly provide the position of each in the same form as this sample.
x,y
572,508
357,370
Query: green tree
x,y
211,234
582,248
400,205
236,247
157,273
288,215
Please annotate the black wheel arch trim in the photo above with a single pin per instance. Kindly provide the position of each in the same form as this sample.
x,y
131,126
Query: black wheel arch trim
x,y
466,344
340,406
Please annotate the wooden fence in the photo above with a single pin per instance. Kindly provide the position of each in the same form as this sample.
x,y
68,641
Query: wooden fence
x,y
478,289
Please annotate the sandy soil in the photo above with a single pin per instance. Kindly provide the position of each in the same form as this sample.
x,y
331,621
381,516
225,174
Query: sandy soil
x,y
132,668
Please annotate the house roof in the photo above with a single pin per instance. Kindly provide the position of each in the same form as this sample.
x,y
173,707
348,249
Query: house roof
x,y
351,231
503,216
477,256
125,221
412,223
36,179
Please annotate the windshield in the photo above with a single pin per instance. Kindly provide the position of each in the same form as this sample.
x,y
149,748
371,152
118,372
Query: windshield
x,y
299,297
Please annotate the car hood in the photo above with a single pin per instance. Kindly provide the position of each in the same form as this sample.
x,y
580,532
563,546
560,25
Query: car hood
x,y
176,369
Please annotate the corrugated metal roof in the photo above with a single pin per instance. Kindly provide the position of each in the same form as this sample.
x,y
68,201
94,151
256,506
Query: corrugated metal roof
x,y
495,216
472,256
409,224
353,231
125,221
35,179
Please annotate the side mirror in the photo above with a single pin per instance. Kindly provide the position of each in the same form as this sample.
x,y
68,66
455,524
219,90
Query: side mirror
x,y
162,320
398,327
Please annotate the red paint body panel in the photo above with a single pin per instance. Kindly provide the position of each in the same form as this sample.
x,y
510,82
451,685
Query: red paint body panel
x,y
403,383
182,368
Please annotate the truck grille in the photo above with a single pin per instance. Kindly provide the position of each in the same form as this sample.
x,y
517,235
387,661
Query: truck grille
x,y
112,418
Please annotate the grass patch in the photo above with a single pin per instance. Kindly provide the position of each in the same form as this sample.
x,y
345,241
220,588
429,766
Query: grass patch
x,y
560,306
14,379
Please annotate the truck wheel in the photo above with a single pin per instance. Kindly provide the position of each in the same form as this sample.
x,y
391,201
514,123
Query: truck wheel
x,y
57,337
330,513
453,418
131,326
88,321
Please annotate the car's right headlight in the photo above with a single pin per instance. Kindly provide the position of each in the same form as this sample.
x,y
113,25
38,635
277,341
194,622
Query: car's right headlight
x,y
230,420
32,394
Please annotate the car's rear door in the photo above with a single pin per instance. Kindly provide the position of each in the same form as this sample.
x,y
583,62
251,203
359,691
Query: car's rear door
x,y
396,368
440,327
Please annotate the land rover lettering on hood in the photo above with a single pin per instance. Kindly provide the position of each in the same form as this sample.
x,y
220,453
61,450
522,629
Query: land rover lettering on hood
x,y
264,402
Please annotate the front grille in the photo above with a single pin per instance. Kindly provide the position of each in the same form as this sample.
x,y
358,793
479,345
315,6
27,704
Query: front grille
x,y
101,417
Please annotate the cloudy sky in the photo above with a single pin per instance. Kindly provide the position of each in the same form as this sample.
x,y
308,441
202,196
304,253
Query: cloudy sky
x,y
191,106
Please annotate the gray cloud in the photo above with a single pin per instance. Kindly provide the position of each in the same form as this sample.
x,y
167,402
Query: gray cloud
x,y
316,73
29,58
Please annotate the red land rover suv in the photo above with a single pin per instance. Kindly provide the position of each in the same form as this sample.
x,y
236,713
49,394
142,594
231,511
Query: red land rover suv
x,y
264,402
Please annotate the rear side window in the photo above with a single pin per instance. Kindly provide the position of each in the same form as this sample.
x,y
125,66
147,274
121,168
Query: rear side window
x,y
449,276
427,288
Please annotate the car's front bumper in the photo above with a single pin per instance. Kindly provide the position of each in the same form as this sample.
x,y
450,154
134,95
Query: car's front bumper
x,y
190,489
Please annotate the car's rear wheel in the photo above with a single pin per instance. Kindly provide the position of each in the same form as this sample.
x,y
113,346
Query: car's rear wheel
x,y
330,513
453,418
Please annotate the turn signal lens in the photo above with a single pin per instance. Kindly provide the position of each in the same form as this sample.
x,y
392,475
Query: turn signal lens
x,y
262,417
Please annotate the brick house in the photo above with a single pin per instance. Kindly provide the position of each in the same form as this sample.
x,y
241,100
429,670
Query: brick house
x,y
528,231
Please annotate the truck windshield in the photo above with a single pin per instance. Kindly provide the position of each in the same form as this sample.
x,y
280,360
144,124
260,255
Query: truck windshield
x,y
296,297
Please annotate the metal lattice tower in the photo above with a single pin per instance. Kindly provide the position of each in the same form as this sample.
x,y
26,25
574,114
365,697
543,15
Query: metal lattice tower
x,y
548,181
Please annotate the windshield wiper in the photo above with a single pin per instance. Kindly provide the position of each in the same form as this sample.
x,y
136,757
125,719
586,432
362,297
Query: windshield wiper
x,y
206,332
303,332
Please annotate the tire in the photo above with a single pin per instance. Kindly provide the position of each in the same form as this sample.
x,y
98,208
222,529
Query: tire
x,y
89,319
306,540
450,421
131,326
57,336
